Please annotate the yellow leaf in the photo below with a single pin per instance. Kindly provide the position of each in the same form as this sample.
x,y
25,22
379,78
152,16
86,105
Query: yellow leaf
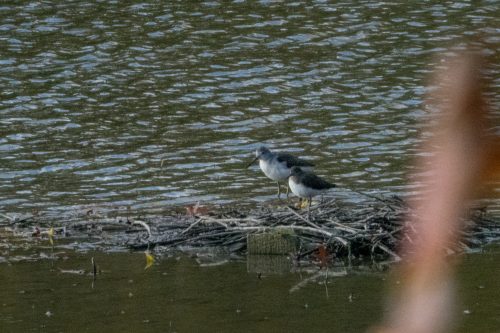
x,y
304,204
51,236
149,260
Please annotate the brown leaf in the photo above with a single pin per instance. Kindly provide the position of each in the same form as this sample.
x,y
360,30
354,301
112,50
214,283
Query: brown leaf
x,y
36,233
196,210
323,255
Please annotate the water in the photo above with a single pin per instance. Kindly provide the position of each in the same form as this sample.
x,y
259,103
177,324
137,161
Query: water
x,y
109,105
97,96
178,295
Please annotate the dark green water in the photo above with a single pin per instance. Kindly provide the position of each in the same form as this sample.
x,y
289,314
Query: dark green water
x,y
178,295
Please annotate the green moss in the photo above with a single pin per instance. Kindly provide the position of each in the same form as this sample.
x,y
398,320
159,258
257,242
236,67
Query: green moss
x,y
277,242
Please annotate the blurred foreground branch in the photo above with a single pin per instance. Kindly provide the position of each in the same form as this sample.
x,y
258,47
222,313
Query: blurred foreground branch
x,y
460,158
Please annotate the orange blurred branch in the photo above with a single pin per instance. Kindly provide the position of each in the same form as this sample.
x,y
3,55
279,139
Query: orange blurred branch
x,y
462,157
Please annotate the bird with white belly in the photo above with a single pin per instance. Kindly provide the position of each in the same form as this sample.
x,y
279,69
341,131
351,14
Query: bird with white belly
x,y
306,185
277,166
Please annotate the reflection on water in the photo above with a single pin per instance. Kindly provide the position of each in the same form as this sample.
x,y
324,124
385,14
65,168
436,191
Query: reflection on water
x,y
96,95
178,294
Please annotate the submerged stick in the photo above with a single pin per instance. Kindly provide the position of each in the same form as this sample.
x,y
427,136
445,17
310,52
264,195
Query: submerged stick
x,y
94,268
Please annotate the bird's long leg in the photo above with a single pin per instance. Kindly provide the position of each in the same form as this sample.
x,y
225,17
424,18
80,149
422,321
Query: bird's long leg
x,y
287,190
279,190
303,202
309,207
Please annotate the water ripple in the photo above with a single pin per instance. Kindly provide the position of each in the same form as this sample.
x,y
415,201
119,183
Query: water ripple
x,y
157,103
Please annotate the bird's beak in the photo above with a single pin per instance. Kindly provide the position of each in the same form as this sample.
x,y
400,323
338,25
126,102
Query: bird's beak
x,y
255,159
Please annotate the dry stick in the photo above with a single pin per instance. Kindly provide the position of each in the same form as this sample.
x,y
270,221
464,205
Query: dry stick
x,y
145,226
11,219
223,222
343,227
386,249
229,220
180,240
191,226
209,235
303,219
294,227
349,255
323,204
204,220
492,233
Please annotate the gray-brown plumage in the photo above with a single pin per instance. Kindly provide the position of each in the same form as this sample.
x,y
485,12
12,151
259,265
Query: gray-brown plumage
x,y
306,184
277,166
292,161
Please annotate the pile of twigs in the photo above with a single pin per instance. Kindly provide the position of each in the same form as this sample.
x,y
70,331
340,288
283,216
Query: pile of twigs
x,y
371,230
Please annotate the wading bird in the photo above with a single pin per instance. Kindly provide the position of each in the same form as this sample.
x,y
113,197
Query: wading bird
x,y
277,166
306,184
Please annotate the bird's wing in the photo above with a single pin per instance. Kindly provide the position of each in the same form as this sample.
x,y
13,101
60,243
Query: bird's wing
x,y
292,161
316,182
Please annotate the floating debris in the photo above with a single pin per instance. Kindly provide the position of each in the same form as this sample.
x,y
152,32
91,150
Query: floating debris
x,y
50,233
149,259
369,230
72,271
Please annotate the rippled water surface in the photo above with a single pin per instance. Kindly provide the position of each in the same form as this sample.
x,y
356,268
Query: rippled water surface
x,y
157,103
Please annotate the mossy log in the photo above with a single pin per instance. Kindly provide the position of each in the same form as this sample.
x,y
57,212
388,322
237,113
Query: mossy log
x,y
278,242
